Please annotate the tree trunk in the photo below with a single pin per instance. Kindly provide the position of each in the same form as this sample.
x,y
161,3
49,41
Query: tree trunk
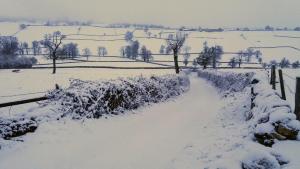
x,y
54,63
176,61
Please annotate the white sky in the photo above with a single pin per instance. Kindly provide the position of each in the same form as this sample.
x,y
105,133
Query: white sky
x,y
205,13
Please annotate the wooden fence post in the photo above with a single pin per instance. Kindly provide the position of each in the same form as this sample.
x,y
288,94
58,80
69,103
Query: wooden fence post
x,y
281,84
297,98
252,98
273,77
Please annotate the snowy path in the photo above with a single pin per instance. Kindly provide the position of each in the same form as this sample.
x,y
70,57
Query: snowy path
x,y
185,133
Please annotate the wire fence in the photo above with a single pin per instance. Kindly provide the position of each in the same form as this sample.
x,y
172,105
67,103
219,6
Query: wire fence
x,y
293,78
287,85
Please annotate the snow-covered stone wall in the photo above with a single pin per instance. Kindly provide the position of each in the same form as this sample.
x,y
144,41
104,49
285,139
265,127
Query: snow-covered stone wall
x,y
92,99
270,117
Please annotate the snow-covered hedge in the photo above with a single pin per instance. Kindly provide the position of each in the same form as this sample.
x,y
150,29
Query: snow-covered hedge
x,y
226,81
10,128
92,99
271,116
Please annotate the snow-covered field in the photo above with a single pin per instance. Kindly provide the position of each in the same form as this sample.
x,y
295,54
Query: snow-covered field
x,y
232,41
30,81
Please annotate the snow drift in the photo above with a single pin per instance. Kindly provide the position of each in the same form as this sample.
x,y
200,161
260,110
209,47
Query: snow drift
x,y
92,99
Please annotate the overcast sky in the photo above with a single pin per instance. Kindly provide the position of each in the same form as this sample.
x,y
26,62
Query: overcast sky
x,y
205,13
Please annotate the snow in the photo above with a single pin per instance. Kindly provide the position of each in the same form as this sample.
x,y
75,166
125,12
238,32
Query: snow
x,y
260,160
189,132
281,116
205,128
201,129
290,149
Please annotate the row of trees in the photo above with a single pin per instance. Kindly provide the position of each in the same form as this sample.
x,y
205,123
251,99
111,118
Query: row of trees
x,y
209,55
53,44
245,56
133,50
165,49
284,63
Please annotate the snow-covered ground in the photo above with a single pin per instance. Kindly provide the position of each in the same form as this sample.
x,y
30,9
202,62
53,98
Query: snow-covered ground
x,y
201,129
190,132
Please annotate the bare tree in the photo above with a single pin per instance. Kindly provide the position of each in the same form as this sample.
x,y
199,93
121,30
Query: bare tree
x,y
146,54
102,51
284,63
52,42
216,55
296,64
86,52
22,26
70,50
241,54
122,51
162,49
128,36
26,47
36,48
232,63
186,55
249,53
175,43
9,46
